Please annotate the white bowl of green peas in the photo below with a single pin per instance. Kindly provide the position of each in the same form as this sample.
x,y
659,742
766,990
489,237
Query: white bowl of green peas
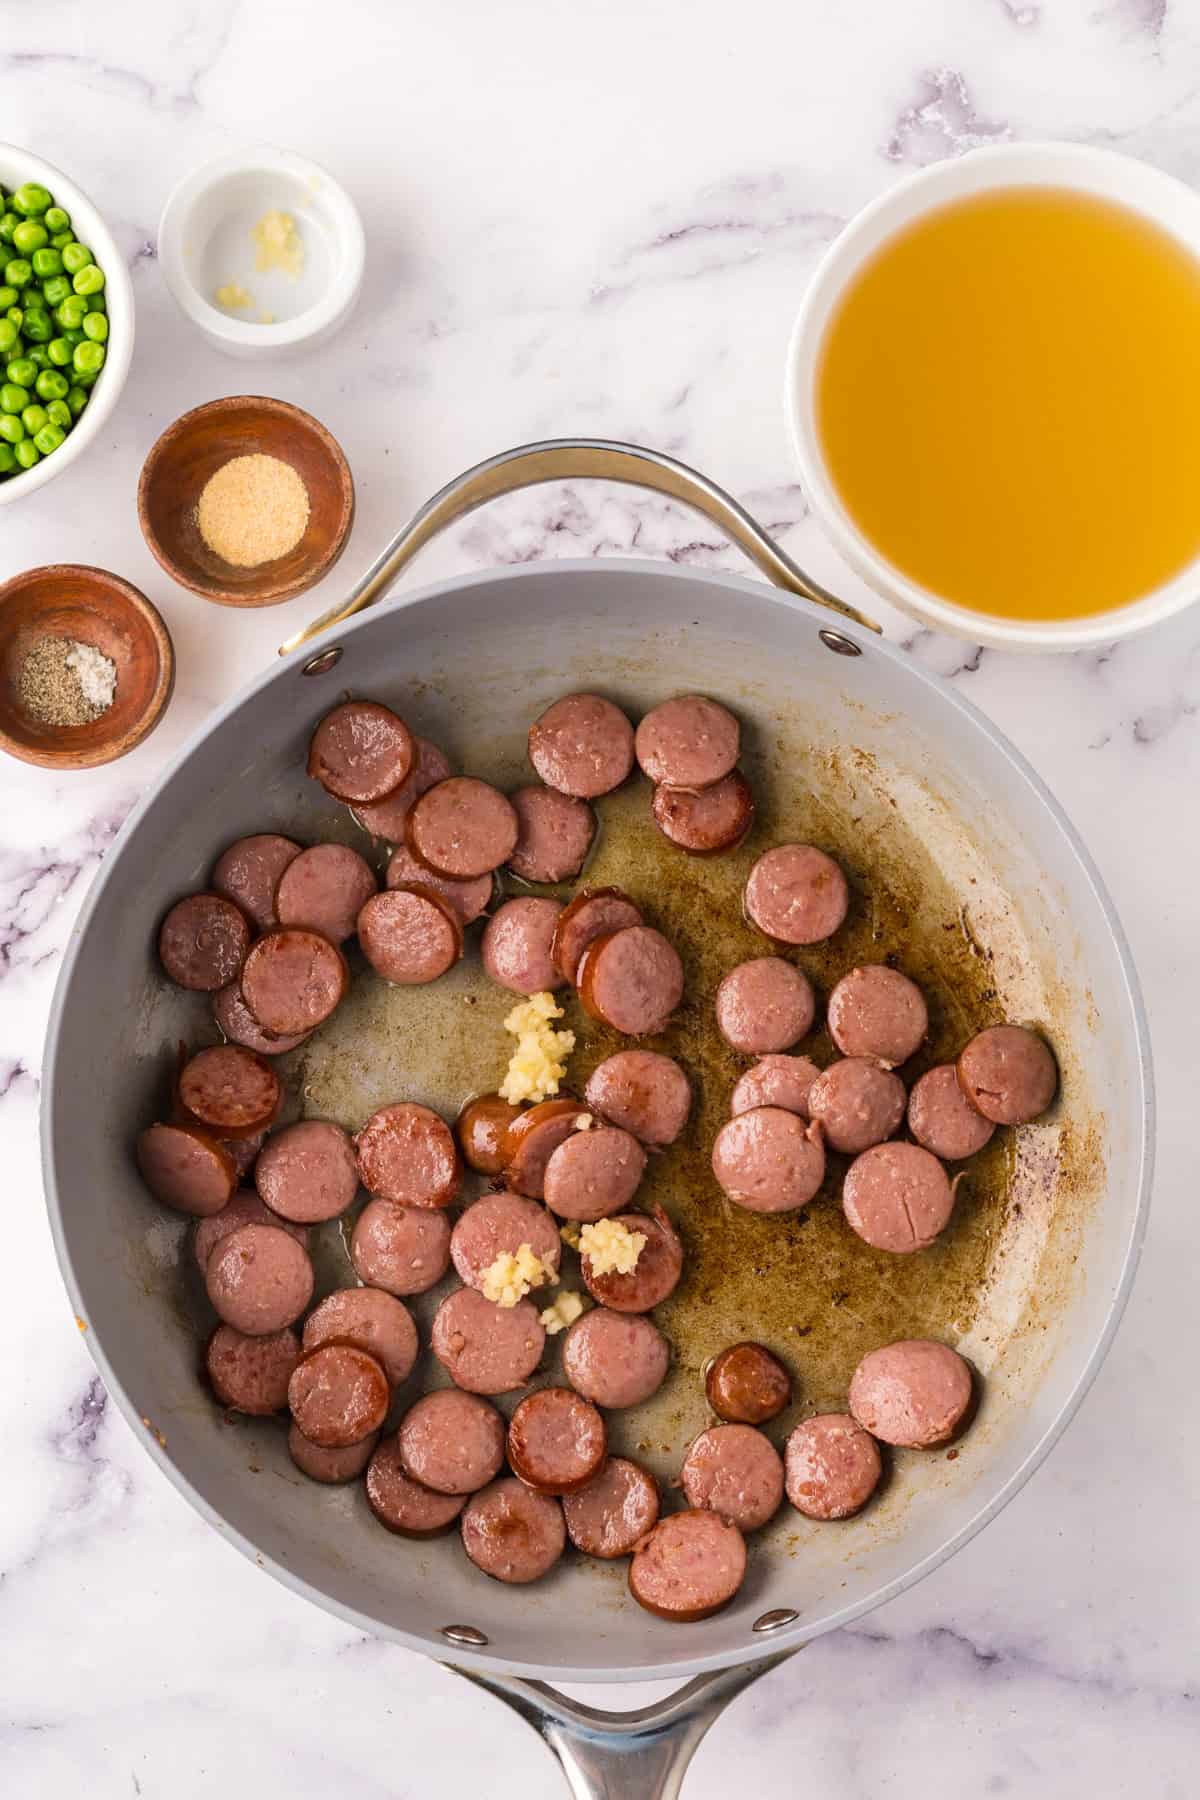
x,y
66,322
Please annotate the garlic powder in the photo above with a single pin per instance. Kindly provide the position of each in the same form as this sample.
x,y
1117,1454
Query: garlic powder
x,y
539,1062
611,1248
510,1277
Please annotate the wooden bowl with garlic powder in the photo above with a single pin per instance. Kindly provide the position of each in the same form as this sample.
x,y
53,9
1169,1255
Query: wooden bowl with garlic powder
x,y
247,500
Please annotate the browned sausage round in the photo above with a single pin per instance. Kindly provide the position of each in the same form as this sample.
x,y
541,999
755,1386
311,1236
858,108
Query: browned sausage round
x,y
1008,1074
324,889
942,1119
452,1442
582,745
259,1279
410,935
613,1513
534,1136
402,1249
407,1154
238,1024
402,1504
593,913
230,1089
656,1274
499,1223
735,1471
516,945
769,1160
796,894
831,1467
338,1395
293,980
185,1169
385,818
897,1197
707,821
555,834
615,1359
375,1321
775,1081
643,1092
631,980
914,1394
857,1104
594,1173
556,1441
463,828
330,1466
481,1129
251,1374
244,1153
202,942
307,1172
361,751
248,874
689,742
746,1385
765,1005
244,1209
513,1533
467,898
486,1349
691,1565
876,1011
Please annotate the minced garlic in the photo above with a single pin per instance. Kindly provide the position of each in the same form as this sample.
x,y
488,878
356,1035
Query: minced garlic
x,y
510,1277
278,245
569,1233
564,1311
539,1062
233,296
611,1248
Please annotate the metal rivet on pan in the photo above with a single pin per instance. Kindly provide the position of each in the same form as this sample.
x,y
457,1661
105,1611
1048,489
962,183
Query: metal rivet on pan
x,y
326,660
833,640
775,1619
464,1634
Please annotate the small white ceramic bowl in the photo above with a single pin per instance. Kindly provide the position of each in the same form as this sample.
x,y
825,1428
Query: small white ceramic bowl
x,y
16,166
1105,173
205,242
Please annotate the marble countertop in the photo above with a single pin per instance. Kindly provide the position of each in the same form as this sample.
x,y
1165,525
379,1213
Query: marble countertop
x,y
594,219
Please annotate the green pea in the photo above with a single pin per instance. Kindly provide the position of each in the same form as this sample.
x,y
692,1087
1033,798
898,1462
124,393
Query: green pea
x,y
8,461
18,273
8,224
11,428
33,417
27,453
56,218
76,399
96,303
8,297
88,280
88,358
59,413
32,197
23,371
95,326
8,337
71,312
73,335
59,352
61,239
29,236
50,385
55,291
49,438
38,326
46,262
75,256
38,356
13,397
16,316
87,377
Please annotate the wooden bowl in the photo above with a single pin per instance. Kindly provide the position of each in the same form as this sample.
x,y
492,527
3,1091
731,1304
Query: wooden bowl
x,y
191,450
73,601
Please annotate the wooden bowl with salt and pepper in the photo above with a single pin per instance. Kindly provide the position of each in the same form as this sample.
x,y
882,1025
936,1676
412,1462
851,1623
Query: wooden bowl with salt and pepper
x,y
247,500
86,666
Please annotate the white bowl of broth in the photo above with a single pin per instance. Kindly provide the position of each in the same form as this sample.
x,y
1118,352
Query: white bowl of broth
x,y
993,388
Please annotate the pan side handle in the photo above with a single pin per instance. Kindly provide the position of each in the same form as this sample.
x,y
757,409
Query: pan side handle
x,y
570,459
639,1755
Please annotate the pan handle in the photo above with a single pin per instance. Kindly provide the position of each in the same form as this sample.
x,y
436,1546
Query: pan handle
x,y
639,1755
569,459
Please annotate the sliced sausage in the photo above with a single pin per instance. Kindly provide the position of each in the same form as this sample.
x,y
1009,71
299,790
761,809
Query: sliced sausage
x,y
656,1274
251,1374
594,1173
857,1104
452,1442
775,1081
631,980
765,1005
613,1513
707,821
555,833
593,913
615,1359
185,1169
914,1394
293,980
516,945
330,1466
556,1441
691,1565
942,1119
410,935
238,1024
462,827
831,1467
643,1092
375,1321
243,1152
259,1279
877,1011
244,1209
248,874
796,894
533,1138
897,1197
486,1349
735,1471
513,1533
202,942
402,1504
500,1223
467,898
1008,1074
307,1172
324,889
402,1249
769,1160
407,1154
746,1385
361,751
688,742
338,1396
385,818
582,745
230,1089
481,1129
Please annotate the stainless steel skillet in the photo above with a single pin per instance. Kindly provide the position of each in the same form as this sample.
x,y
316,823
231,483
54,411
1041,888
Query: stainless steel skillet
x,y
962,863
